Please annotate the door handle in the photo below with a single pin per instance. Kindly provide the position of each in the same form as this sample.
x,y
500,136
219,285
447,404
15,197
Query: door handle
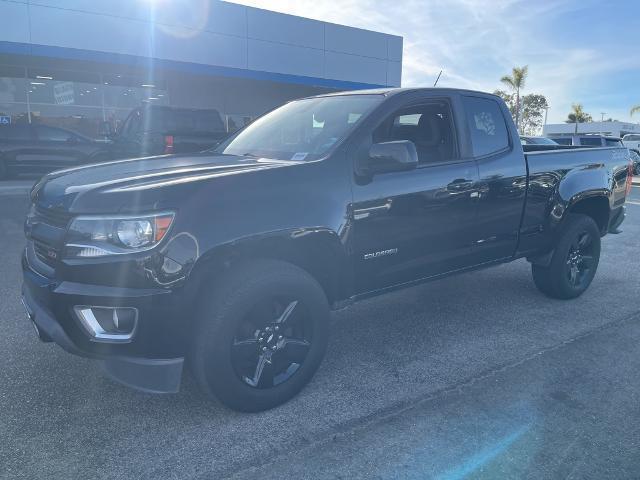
x,y
459,185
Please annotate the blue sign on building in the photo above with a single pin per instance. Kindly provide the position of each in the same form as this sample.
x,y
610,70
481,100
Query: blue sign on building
x,y
5,120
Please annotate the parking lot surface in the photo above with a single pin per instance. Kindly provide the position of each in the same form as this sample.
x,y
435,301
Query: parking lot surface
x,y
474,376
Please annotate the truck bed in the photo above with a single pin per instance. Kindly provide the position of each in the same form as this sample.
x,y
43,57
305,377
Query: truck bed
x,y
557,175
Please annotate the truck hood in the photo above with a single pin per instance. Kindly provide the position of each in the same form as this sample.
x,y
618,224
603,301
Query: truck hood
x,y
60,189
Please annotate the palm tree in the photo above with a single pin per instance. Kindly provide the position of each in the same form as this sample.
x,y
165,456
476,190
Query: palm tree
x,y
635,109
516,82
578,115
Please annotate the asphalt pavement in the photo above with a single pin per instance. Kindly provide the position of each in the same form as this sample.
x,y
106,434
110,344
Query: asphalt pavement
x,y
473,376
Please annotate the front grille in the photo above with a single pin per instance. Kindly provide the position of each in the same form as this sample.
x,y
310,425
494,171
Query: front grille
x,y
46,228
51,216
45,253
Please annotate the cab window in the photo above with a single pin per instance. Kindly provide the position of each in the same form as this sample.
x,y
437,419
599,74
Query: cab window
x,y
428,126
486,125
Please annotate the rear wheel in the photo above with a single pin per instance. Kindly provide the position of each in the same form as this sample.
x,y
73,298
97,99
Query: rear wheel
x,y
261,336
574,261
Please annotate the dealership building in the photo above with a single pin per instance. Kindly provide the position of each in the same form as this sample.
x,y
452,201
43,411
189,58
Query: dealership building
x,y
612,128
77,63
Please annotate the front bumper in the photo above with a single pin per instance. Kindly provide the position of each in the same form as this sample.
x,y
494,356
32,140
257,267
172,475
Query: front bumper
x,y
152,362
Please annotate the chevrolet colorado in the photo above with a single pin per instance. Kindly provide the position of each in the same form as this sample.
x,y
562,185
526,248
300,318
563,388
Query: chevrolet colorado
x,y
231,260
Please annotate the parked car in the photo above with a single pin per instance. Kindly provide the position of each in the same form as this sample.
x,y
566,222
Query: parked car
x,y
233,258
38,149
632,141
526,140
155,130
588,140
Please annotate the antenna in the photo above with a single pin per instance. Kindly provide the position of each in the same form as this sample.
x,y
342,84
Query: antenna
x,y
436,82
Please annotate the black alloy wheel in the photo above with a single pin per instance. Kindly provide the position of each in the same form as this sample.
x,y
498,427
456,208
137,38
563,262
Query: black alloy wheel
x,y
271,343
574,260
580,260
259,335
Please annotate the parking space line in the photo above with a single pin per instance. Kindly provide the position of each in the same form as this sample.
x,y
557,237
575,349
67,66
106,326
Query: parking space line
x,y
633,203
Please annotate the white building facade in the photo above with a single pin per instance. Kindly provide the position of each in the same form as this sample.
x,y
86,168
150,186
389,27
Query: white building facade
x,y
77,63
615,129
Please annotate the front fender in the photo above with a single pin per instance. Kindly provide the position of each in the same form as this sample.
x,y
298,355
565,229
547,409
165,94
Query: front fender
x,y
318,250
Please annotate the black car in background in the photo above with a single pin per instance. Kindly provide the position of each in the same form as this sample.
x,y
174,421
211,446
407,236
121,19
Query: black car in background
x,y
38,149
156,130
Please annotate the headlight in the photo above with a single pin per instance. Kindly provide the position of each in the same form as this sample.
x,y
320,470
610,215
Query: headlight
x,y
98,236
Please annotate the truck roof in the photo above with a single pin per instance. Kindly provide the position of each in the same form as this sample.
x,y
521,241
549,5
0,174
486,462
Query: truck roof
x,y
389,91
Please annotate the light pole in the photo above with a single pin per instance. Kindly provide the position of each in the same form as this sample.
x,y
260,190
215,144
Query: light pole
x,y
546,112
602,114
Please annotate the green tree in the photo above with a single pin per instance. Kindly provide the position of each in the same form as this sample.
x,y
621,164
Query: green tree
x,y
532,114
509,99
635,109
578,115
533,107
516,82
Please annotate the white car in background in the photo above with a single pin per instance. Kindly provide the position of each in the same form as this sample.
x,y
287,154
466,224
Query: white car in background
x,y
632,141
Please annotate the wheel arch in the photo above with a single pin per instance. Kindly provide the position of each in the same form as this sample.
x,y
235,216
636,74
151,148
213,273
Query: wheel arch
x,y
318,251
595,206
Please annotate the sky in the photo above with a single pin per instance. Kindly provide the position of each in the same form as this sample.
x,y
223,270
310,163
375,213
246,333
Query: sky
x,y
578,51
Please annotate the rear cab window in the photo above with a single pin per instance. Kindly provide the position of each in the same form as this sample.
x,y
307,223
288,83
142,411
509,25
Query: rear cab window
x,y
486,125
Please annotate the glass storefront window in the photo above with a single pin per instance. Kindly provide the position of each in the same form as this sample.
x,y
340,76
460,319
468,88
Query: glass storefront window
x,y
80,101
122,91
64,87
12,84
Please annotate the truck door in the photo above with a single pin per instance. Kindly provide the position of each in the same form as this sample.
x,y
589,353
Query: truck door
x,y
503,178
413,224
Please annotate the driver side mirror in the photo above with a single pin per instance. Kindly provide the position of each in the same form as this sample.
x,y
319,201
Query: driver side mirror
x,y
395,156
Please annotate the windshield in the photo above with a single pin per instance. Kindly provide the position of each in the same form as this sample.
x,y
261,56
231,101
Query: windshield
x,y
301,130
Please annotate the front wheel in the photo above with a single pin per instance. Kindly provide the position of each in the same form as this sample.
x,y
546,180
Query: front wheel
x,y
260,336
574,261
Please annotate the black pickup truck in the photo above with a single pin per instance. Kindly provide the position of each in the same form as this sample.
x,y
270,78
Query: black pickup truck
x,y
233,259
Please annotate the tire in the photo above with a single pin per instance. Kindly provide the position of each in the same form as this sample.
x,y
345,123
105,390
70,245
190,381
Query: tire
x,y
574,261
231,333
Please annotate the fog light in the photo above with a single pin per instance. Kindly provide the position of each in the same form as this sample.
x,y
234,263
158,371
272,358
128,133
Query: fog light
x,y
108,324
